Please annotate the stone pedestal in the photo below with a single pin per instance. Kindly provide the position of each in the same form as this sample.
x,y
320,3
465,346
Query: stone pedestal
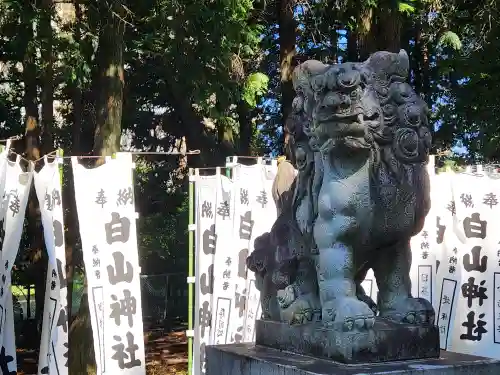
x,y
387,341
248,359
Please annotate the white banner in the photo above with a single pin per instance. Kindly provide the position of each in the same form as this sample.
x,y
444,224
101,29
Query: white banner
x,y
15,199
476,204
106,213
206,199
242,231
225,262
264,215
53,357
455,259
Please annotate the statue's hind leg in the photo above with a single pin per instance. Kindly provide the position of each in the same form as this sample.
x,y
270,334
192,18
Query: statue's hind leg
x,y
395,302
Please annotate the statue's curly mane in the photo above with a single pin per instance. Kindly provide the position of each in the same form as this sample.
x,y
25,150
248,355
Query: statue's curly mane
x,y
393,116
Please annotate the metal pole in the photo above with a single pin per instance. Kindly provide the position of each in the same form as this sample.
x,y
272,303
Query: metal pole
x,y
190,271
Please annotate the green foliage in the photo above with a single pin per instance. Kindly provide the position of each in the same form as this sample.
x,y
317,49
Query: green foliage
x,y
255,87
406,8
450,39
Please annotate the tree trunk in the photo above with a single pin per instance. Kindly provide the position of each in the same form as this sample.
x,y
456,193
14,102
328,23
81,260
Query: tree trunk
x,y
70,217
110,100
47,93
287,36
366,42
352,46
32,152
106,142
245,143
389,24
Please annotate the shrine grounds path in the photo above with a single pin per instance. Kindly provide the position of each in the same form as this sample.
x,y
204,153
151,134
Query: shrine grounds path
x,y
166,354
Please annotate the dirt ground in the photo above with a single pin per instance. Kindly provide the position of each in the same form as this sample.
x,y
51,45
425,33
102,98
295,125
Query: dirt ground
x,y
166,354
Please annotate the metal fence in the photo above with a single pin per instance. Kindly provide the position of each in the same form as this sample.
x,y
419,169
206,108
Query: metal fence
x,y
164,298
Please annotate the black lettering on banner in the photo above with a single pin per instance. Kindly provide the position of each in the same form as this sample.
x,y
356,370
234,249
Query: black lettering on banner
x,y
206,210
126,307
240,301
4,363
98,295
237,337
490,200
4,278
226,274
474,227
242,263
466,200
14,203
224,210
471,291
262,198
63,282
118,229
202,358
246,226
53,282
440,231
118,273
445,316
452,262
209,240
452,208
2,231
62,321
49,206
424,246
474,326
96,262
58,233
120,350
244,197
474,264
101,199
66,353
205,318
125,196
53,199
56,197
207,281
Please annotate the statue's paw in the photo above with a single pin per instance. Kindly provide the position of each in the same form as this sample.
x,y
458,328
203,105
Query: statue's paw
x,y
352,313
371,304
411,311
303,316
286,297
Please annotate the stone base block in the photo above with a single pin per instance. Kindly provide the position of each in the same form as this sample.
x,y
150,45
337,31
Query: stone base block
x,y
248,359
387,341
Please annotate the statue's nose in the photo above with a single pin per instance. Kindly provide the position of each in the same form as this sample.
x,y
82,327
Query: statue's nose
x,y
335,100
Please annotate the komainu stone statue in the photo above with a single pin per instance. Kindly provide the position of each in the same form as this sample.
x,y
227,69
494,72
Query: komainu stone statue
x,y
360,141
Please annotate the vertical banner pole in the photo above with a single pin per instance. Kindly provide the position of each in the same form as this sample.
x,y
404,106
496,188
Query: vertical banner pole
x,y
190,270
60,154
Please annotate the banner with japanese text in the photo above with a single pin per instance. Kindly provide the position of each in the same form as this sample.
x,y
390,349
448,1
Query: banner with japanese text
x,y
14,202
53,356
264,215
477,269
205,208
455,258
224,263
106,214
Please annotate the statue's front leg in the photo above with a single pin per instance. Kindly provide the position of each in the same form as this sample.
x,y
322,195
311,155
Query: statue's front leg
x,y
395,302
336,271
